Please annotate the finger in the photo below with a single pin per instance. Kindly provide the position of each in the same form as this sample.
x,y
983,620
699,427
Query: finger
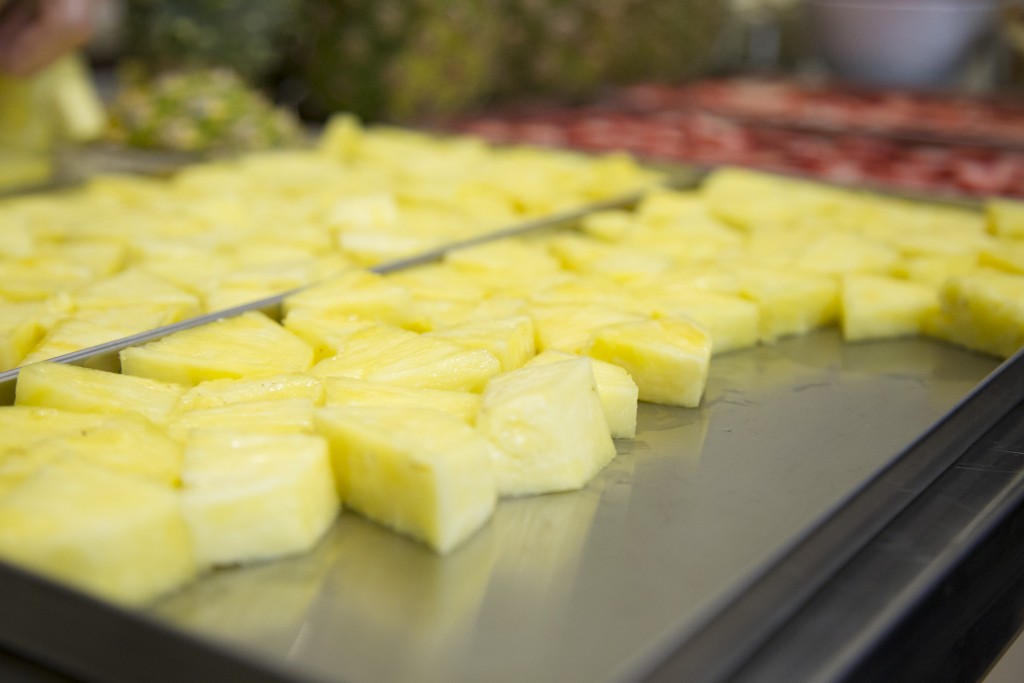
x,y
61,26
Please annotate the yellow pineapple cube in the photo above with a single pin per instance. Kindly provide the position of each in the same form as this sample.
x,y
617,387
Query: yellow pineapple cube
x,y
878,307
255,497
68,387
1005,217
418,361
343,391
511,340
839,253
115,536
733,323
935,269
269,416
249,345
359,294
567,327
791,302
668,358
216,393
548,425
418,471
616,389
983,311
74,334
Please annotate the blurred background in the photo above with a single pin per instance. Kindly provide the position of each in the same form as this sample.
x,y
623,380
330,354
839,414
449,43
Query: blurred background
x,y
915,94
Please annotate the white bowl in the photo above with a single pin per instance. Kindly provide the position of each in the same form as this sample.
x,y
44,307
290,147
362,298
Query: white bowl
x,y
898,42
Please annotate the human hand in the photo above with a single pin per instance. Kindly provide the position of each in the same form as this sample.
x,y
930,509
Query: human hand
x,y
35,33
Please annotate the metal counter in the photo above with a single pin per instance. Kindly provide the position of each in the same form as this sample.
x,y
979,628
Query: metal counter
x,y
659,567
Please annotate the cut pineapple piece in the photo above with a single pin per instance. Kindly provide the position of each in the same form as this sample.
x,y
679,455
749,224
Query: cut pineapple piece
x,y
668,358
733,323
325,332
421,472
1007,255
838,253
936,269
439,281
616,389
1005,217
19,331
549,426
258,497
983,311
877,307
418,361
55,385
568,327
23,426
136,287
249,345
351,391
791,302
359,294
222,392
274,416
118,537
511,340
70,335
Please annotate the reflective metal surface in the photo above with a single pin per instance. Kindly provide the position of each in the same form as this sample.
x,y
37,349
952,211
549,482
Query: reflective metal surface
x,y
597,584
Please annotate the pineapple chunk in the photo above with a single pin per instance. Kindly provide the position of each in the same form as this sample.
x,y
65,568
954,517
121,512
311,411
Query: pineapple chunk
x,y
549,426
255,497
983,311
325,332
55,385
1005,255
839,253
936,269
419,471
733,323
222,392
19,332
117,537
249,345
351,391
418,362
135,287
877,307
1005,217
511,340
439,281
359,294
568,327
23,426
72,334
274,416
791,302
668,358
616,389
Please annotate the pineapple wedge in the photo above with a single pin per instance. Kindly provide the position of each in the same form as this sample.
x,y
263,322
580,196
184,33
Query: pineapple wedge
x,y
342,391
73,334
616,389
273,416
117,537
216,393
511,340
256,497
416,362
733,322
249,345
549,426
134,287
878,307
68,387
19,332
325,332
568,327
23,426
983,311
419,471
668,358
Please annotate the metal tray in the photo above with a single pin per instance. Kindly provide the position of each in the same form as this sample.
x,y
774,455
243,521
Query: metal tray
x,y
705,551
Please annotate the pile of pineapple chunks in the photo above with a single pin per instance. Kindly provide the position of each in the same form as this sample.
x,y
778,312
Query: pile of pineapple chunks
x,y
420,398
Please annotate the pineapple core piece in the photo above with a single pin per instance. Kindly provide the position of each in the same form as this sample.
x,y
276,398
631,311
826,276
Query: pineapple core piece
x,y
668,358
249,345
419,471
616,389
549,427
68,387
878,307
254,497
117,537
223,392
343,391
